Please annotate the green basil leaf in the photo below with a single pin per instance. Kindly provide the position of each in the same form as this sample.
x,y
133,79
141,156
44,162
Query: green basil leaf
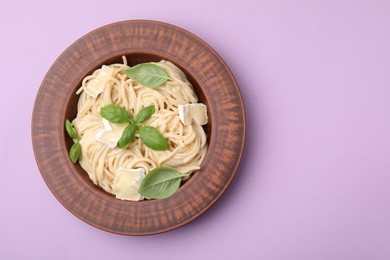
x,y
75,152
153,139
148,74
115,114
160,183
69,128
127,136
145,114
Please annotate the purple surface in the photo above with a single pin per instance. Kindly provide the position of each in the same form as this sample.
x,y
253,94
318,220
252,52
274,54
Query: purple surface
x,y
314,181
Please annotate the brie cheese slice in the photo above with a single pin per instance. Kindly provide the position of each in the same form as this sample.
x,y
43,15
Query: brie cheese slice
x,y
111,133
126,183
97,85
193,112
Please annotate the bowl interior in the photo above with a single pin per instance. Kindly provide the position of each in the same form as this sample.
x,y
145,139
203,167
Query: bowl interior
x,y
132,59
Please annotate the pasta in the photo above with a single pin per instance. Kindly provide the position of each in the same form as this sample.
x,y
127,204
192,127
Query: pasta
x,y
187,143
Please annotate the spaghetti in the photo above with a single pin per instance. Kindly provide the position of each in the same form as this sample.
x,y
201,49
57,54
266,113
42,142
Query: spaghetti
x,y
188,144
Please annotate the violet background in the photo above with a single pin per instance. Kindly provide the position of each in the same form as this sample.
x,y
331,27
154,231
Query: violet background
x,y
314,182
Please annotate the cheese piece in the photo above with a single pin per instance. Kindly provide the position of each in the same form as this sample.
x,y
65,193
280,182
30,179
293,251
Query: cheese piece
x,y
126,183
111,133
184,114
196,112
97,85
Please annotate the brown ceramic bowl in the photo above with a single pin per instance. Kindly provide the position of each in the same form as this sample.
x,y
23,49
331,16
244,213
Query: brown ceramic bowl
x,y
140,41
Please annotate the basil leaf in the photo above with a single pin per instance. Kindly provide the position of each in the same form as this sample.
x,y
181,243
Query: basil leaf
x,y
148,74
69,128
145,114
115,114
153,139
127,136
160,183
75,152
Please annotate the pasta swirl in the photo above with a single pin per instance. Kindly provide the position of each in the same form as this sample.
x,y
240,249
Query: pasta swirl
x,y
188,145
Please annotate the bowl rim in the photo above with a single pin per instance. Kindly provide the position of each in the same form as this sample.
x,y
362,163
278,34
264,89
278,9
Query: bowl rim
x,y
233,170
